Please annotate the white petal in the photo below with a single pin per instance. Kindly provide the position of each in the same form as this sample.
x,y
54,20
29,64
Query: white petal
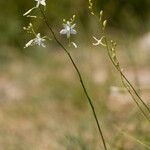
x,y
43,40
38,4
73,31
95,38
74,44
30,43
63,31
68,23
95,44
29,16
43,3
38,35
43,45
73,26
28,11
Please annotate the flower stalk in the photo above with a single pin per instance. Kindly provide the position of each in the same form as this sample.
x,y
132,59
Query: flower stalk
x,y
111,50
128,86
80,78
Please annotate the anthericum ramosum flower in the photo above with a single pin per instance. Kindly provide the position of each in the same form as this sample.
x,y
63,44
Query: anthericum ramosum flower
x,y
36,41
99,42
68,29
39,2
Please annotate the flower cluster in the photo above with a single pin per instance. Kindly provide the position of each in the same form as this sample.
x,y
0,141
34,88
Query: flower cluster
x,y
38,40
68,28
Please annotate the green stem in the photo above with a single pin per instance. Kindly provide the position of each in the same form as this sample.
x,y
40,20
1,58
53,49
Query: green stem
x,y
128,89
80,78
123,77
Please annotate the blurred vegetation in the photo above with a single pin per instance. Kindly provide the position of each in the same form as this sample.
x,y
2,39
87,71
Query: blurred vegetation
x,y
42,105
127,15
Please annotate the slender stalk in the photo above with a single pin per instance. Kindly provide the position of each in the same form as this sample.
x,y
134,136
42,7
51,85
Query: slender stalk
x,y
146,145
128,89
80,78
136,93
123,77
122,74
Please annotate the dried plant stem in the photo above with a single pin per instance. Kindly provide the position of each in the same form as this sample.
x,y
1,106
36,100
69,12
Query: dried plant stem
x,y
128,86
80,78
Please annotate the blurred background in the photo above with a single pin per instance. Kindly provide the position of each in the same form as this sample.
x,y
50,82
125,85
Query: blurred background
x,y
42,105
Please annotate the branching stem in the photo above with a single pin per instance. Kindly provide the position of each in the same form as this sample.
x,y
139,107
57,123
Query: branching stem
x,y
128,85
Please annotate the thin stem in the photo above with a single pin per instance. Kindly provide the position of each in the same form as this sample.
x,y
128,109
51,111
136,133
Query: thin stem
x,y
146,145
80,78
123,77
135,92
128,89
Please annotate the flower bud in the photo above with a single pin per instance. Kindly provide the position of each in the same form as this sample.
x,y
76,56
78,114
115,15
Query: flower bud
x,y
101,15
104,23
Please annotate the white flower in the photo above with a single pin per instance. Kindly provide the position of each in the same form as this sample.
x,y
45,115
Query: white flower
x,y
36,41
68,29
40,2
98,42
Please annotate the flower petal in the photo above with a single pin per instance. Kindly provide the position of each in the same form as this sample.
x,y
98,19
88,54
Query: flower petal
x,y
95,44
43,3
28,11
68,23
38,4
43,45
63,31
73,26
74,44
73,31
95,38
30,43
38,35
